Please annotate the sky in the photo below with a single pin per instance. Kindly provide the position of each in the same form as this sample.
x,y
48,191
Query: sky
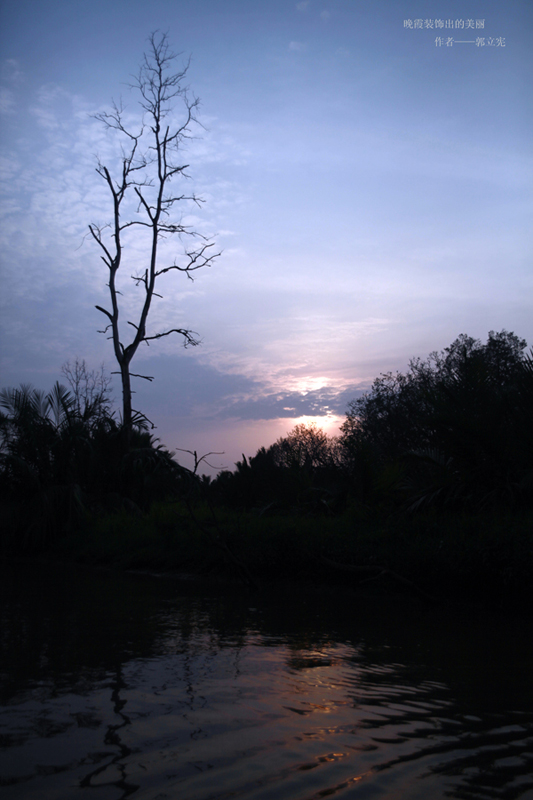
x,y
366,167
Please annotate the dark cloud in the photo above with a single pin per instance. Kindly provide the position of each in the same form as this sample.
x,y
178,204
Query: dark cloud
x,y
184,386
316,403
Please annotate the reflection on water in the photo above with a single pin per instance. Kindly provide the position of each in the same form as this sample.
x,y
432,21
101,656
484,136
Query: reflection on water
x,y
140,687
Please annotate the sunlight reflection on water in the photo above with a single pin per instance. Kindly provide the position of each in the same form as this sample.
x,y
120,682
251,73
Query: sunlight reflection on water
x,y
162,695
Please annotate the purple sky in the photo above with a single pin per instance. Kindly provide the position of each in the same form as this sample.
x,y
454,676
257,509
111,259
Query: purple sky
x,y
370,189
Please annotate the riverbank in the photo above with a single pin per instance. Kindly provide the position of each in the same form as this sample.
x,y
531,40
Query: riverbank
x,y
487,559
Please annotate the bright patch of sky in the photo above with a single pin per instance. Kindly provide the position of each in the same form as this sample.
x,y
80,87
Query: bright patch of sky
x,y
369,186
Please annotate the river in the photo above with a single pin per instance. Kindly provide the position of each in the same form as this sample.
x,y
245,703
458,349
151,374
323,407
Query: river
x,y
121,685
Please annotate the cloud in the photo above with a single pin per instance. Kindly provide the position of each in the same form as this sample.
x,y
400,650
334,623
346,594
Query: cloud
x,y
324,402
10,71
325,15
187,386
7,101
11,74
52,191
303,5
297,47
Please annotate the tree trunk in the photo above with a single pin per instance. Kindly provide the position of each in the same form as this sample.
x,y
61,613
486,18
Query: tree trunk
x,y
126,399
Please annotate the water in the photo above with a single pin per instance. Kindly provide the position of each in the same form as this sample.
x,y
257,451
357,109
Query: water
x,y
117,686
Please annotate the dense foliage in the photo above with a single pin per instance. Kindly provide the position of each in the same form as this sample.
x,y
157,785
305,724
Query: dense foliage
x,y
300,471
63,455
455,430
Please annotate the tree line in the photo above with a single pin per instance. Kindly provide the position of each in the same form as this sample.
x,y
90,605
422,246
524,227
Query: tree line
x,y
452,433
455,431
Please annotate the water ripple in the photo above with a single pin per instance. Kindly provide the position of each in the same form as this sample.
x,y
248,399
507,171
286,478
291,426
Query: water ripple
x,y
203,699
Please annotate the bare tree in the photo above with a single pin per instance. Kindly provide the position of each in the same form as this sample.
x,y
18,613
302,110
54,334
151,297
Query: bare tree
x,y
91,389
150,166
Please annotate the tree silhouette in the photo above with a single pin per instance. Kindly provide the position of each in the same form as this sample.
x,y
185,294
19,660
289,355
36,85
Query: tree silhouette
x,y
90,388
306,446
150,167
454,429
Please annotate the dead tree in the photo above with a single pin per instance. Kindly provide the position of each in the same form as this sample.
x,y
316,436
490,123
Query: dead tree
x,y
148,170
90,389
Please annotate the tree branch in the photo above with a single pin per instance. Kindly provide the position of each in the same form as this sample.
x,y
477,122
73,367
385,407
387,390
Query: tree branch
x,y
189,338
104,311
198,461
197,260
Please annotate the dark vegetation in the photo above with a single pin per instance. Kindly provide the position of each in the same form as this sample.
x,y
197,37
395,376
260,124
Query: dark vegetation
x,y
428,489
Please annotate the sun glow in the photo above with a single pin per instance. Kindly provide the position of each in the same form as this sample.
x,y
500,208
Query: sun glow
x,y
310,384
329,423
